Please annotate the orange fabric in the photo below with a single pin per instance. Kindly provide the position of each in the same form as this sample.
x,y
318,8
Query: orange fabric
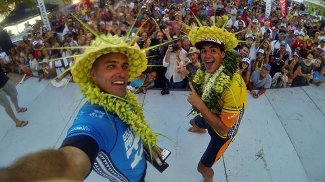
x,y
222,150
228,118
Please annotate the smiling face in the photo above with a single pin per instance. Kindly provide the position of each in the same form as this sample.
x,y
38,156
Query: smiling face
x,y
310,57
244,65
212,56
151,76
260,56
110,73
244,51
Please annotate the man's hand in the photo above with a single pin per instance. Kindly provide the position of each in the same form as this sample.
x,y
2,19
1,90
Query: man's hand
x,y
254,93
193,98
170,48
166,31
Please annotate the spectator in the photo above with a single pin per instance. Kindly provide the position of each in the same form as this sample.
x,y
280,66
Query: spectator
x,y
254,29
260,80
304,71
243,69
266,46
37,46
48,66
322,44
317,63
260,61
319,76
279,58
292,67
280,79
292,25
24,68
144,40
290,37
275,44
186,44
239,24
190,65
144,82
71,41
283,25
174,56
243,51
33,64
155,57
27,42
252,47
233,13
266,29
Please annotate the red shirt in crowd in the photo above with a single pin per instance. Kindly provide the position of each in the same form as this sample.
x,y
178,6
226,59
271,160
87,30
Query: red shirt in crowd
x,y
298,45
193,9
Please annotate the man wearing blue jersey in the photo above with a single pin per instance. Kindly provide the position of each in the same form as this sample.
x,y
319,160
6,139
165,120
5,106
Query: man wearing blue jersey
x,y
109,131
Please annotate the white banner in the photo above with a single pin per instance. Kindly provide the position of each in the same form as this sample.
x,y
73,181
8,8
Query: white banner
x,y
268,8
45,19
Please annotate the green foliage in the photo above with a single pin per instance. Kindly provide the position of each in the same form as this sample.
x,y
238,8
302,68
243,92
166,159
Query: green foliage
x,y
9,5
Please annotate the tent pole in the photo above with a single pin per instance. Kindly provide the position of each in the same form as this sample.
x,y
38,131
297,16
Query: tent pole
x,y
17,28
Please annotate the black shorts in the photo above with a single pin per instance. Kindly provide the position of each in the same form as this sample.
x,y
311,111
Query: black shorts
x,y
217,144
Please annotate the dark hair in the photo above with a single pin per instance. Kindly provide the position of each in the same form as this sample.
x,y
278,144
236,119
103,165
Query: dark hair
x,y
244,45
243,74
150,70
312,53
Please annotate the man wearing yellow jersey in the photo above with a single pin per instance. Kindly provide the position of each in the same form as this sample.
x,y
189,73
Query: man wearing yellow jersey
x,y
219,115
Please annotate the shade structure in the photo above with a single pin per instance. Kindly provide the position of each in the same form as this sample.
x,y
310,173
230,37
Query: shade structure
x,y
22,13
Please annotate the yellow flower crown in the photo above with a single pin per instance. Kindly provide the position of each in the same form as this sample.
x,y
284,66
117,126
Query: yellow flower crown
x,y
105,44
213,34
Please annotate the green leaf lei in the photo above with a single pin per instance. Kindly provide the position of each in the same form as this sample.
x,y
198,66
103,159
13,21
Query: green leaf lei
x,y
210,86
128,110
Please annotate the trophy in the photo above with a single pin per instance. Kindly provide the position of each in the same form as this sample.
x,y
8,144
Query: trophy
x,y
157,157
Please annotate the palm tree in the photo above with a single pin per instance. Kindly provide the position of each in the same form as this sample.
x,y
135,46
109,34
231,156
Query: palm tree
x,y
9,5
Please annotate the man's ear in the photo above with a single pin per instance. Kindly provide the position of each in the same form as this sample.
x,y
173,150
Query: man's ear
x,y
223,54
92,75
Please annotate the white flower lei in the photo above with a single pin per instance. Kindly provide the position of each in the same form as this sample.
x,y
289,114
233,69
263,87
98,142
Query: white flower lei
x,y
210,83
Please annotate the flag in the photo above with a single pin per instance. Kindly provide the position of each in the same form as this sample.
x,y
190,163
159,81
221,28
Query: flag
x,y
283,7
268,8
45,19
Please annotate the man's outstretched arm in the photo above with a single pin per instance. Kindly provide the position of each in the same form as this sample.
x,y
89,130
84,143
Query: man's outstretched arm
x,y
68,163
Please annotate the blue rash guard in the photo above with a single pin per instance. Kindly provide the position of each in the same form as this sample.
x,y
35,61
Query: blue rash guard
x,y
120,156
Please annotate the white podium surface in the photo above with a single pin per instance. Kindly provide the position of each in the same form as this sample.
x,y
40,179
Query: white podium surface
x,y
281,138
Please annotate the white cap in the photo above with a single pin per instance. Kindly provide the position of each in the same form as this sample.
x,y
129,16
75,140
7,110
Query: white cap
x,y
247,60
35,42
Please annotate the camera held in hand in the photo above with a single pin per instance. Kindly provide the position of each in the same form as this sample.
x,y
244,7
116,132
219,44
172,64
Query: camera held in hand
x,y
141,43
175,47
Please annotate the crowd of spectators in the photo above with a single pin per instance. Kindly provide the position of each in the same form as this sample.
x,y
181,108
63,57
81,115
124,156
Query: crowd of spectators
x,y
287,51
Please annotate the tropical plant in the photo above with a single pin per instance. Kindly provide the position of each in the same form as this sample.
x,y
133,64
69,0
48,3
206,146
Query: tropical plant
x,y
8,5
